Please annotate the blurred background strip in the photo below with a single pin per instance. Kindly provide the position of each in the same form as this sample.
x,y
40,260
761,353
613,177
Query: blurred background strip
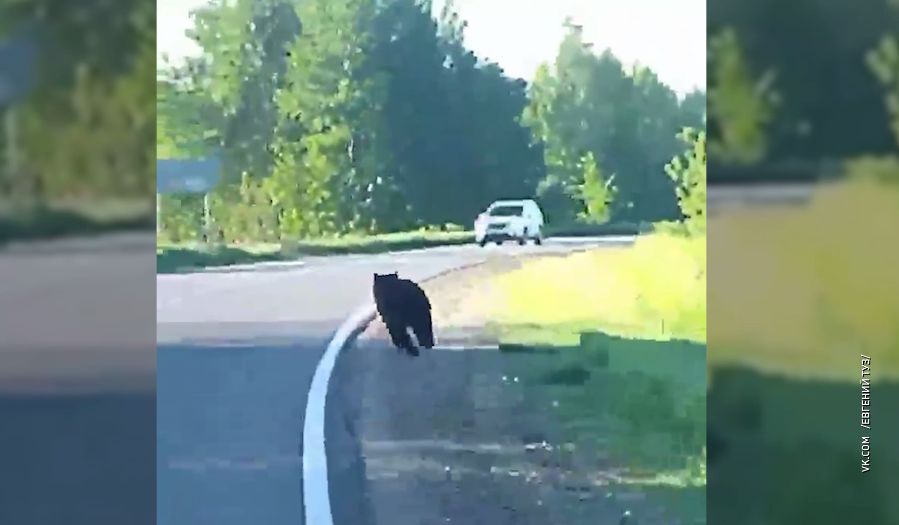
x,y
804,202
77,324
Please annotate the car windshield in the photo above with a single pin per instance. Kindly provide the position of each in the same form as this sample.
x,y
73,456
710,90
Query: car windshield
x,y
507,211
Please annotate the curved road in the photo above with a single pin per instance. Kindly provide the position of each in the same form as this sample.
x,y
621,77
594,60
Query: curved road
x,y
237,350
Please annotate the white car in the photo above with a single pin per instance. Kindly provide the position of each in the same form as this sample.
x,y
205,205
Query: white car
x,y
520,220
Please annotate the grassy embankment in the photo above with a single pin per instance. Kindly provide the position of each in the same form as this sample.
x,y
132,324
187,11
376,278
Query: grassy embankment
x,y
783,375
183,256
43,221
628,378
785,391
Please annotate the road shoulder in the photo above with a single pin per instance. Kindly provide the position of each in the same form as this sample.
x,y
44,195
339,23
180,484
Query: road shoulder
x,y
464,434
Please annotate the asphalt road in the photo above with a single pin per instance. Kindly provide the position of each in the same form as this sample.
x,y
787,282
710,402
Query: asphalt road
x,y
77,381
237,351
78,370
732,197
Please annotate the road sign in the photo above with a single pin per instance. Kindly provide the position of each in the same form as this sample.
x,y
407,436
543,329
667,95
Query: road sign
x,y
17,59
187,175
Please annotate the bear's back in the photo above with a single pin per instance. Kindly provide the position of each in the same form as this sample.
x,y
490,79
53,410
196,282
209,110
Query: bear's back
x,y
415,294
399,294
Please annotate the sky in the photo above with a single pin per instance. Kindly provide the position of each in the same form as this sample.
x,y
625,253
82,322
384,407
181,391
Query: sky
x,y
668,36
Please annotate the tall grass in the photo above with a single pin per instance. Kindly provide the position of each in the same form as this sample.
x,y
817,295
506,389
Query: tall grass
x,y
834,267
655,289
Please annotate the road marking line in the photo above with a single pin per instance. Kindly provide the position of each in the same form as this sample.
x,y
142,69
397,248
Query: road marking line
x,y
461,347
316,498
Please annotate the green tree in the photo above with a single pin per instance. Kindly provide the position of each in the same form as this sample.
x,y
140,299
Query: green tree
x,y
384,120
189,122
815,48
596,192
244,47
452,120
884,62
740,106
689,173
335,97
627,120
419,125
86,127
693,109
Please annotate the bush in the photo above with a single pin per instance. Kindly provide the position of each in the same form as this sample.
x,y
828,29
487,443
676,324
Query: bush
x,y
689,173
584,229
655,289
877,169
660,431
43,221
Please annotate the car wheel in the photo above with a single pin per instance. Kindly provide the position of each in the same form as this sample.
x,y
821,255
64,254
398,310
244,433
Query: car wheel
x,y
498,242
538,240
522,240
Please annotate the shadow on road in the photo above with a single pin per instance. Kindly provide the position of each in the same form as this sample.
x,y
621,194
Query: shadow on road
x,y
230,420
79,459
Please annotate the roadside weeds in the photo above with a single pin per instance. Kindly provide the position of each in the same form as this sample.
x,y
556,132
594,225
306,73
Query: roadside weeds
x,y
564,405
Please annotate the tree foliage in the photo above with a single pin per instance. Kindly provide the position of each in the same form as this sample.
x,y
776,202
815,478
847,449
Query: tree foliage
x,y
816,48
589,106
884,63
354,116
596,192
688,171
86,128
741,106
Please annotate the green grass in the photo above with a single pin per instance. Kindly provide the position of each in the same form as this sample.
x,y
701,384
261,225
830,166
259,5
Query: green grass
x,y
655,289
834,280
639,403
652,409
784,398
179,257
615,339
42,221
580,229
804,434
170,259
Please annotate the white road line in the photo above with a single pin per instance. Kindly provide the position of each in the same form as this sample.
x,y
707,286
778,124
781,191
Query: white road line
x,y
255,267
465,347
316,499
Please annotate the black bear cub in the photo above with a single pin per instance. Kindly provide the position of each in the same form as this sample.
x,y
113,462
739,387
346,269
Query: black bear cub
x,y
402,304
